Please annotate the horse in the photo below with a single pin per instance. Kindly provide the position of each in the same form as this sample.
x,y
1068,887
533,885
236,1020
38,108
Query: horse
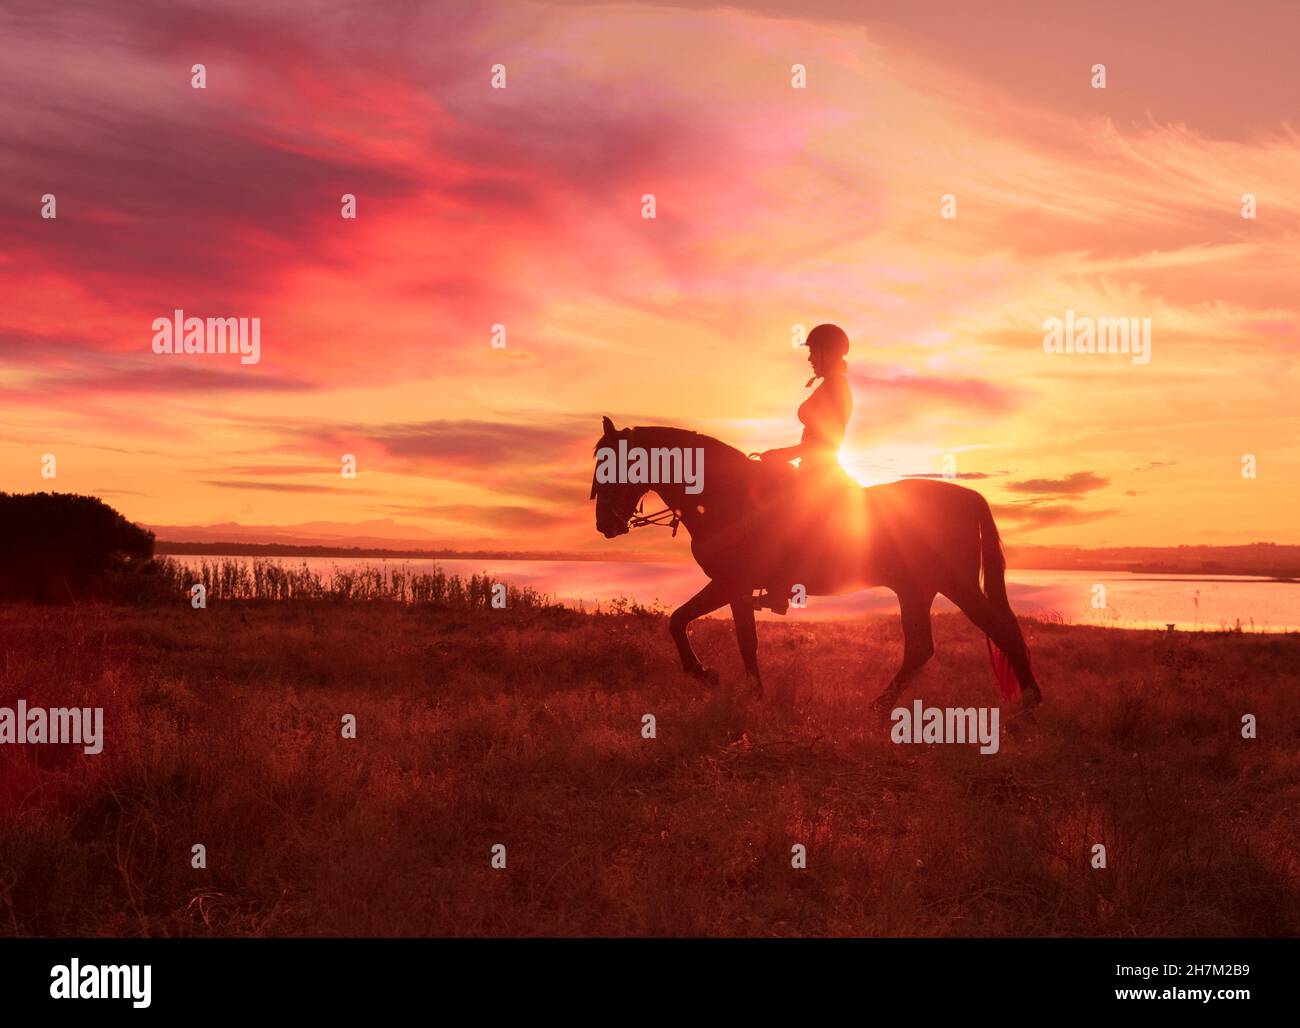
x,y
918,537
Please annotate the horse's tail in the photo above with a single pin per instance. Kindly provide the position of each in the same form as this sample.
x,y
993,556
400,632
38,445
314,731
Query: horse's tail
x,y
994,567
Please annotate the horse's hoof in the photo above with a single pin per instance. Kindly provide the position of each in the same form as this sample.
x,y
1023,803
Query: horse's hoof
x,y
707,675
1030,697
882,709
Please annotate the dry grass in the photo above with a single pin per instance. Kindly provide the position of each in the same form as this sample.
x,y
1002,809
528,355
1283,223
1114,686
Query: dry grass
x,y
523,727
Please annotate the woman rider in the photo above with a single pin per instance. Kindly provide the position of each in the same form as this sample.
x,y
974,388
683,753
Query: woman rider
x,y
825,416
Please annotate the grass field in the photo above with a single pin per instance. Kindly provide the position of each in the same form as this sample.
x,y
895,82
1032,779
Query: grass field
x,y
222,727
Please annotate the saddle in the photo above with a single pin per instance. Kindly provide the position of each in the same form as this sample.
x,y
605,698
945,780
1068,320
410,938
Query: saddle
x,y
808,522
824,491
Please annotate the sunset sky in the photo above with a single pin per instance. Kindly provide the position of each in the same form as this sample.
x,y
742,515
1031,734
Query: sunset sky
x,y
776,206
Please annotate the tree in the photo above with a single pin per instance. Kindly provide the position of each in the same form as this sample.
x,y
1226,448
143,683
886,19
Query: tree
x,y
58,547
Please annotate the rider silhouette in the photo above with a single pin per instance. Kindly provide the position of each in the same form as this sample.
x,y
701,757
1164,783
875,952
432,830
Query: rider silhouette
x,y
825,416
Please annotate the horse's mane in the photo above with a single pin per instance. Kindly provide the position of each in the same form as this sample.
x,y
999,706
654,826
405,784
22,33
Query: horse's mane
x,y
666,435
729,468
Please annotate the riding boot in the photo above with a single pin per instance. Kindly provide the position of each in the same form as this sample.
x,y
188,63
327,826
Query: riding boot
x,y
765,600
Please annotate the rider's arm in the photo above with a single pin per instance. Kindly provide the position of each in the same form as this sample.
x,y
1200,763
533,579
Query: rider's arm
x,y
783,454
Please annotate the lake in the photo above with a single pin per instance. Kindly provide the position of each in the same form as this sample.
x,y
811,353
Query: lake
x,y
1133,600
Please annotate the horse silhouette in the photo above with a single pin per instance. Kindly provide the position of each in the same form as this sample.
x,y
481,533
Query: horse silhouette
x,y
752,524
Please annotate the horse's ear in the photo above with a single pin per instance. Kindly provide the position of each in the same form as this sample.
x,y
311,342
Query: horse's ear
x,y
608,426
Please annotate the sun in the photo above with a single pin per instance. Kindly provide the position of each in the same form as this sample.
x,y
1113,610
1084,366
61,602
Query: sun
x,y
888,462
849,463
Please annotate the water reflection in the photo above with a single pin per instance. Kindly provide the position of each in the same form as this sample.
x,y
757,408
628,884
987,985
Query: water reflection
x,y
1132,600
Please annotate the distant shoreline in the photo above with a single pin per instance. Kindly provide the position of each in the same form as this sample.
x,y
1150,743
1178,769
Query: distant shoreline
x,y
235,549
1076,560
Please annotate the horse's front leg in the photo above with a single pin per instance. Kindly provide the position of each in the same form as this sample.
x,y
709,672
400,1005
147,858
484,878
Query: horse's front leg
x,y
742,612
706,601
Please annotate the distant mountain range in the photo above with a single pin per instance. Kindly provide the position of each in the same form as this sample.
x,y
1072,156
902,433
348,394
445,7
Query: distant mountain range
x,y
378,532
382,537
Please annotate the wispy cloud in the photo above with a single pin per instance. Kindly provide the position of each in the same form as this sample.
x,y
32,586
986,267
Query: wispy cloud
x,y
522,207
1076,484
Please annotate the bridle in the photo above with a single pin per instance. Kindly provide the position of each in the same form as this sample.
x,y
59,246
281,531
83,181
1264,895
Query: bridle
x,y
669,517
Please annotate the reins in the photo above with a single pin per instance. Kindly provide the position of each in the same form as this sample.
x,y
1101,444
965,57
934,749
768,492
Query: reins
x,y
669,517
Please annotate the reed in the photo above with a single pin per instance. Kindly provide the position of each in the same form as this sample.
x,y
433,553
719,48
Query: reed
x,y
260,579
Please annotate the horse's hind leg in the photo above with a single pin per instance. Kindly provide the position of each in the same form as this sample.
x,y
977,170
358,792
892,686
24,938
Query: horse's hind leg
x,y
918,643
1000,625
742,613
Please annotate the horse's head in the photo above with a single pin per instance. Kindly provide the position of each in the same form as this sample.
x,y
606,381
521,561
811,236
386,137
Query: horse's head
x,y
616,502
